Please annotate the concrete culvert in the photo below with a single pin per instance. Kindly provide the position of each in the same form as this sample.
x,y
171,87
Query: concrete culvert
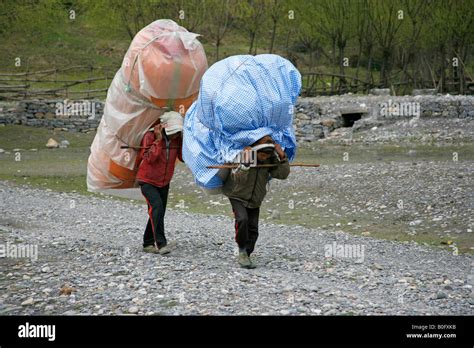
x,y
349,119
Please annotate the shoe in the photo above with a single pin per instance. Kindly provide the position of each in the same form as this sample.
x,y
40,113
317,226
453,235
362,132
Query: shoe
x,y
244,260
150,249
167,248
252,264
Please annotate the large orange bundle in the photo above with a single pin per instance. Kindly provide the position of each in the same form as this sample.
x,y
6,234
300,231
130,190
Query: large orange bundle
x,y
161,71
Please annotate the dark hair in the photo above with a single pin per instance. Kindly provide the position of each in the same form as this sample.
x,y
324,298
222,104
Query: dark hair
x,y
268,150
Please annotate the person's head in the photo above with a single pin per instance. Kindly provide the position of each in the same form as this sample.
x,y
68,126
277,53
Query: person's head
x,y
267,152
173,124
265,140
156,123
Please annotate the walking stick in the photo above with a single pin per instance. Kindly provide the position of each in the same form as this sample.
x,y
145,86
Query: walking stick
x,y
144,147
236,165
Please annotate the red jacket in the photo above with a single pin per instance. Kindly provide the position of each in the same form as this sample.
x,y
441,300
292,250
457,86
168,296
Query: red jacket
x,y
158,159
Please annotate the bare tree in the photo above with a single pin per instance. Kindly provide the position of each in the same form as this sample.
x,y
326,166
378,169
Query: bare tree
x,y
252,17
191,14
384,18
219,18
277,9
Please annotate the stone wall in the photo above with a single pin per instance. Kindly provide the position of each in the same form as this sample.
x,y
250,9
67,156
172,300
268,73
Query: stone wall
x,y
314,118
79,116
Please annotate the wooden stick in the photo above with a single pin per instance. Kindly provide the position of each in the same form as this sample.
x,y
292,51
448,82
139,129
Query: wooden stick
x,y
144,147
304,165
134,147
235,165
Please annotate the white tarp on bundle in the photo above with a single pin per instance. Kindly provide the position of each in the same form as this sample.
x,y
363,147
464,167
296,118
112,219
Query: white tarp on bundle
x,y
161,71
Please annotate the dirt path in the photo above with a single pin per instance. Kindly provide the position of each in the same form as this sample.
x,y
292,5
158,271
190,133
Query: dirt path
x,y
93,245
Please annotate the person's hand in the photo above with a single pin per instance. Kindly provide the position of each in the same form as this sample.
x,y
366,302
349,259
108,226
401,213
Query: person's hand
x,y
280,151
247,155
158,132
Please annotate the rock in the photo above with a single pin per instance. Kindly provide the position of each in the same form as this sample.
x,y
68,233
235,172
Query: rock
x,y
284,312
275,214
380,91
425,91
28,302
52,144
46,269
66,290
64,144
377,266
331,312
441,295
133,310
2,150
415,222
302,116
328,122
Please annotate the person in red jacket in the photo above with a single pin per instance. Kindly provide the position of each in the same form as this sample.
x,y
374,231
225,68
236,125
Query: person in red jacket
x,y
160,149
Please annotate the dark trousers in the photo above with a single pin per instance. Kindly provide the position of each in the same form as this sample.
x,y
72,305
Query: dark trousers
x,y
246,225
156,198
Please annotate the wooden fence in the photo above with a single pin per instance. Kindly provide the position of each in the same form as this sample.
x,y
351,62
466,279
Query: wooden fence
x,y
57,83
94,82
315,83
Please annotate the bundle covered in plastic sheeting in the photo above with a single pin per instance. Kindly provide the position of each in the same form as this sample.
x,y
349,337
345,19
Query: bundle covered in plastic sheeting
x,y
161,71
241,99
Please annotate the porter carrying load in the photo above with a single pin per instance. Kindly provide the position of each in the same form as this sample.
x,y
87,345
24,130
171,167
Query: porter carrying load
x,y
161,72
242,99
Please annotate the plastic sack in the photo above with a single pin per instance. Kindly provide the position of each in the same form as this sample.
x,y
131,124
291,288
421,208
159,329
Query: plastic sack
x,y
161,71
242,98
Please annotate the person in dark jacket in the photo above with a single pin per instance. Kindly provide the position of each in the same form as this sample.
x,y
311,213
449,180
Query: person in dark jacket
x,y
246,188
160,148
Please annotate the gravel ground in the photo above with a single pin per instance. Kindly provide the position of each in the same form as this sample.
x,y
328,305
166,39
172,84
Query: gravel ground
x,y
423,131
90,262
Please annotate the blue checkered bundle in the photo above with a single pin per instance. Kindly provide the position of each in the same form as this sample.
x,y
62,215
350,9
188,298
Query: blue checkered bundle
x,y
241,99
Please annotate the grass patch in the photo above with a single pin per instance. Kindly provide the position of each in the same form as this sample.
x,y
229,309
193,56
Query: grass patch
x,y
15,136
326,154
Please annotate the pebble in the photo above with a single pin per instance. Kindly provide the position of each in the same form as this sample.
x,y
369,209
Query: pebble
x,y
441,295
28,302
133,310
